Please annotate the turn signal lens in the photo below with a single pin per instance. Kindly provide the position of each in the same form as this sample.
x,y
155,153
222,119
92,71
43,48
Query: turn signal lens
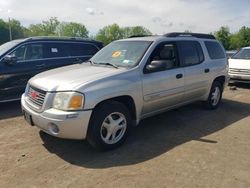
x,y
76,102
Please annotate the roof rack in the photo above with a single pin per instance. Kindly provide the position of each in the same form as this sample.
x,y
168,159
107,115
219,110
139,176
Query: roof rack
x,y
197,35
134,36
57,38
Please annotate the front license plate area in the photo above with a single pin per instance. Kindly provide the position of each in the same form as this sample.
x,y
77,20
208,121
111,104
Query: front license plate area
x,y
28,118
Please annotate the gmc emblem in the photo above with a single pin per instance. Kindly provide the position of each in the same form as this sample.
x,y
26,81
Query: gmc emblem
x,y
34,94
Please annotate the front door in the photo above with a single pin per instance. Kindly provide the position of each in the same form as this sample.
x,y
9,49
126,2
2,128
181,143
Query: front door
x,y
14,77
163,89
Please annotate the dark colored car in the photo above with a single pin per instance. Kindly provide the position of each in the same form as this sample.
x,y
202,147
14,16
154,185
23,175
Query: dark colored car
x,y
21,59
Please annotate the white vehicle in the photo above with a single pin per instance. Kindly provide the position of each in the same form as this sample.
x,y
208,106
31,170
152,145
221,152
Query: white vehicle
x,y
239,66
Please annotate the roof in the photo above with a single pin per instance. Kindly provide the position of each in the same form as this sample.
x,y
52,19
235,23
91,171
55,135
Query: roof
x,y
53,38
247,47
170,36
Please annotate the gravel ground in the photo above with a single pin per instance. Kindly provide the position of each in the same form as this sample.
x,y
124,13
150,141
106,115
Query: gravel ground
x,y
186,147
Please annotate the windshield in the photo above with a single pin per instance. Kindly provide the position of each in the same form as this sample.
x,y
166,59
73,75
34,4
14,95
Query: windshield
x,y
8,45
122,53
242,54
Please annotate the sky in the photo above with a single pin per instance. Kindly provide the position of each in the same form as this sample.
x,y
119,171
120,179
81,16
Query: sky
x,y
159,16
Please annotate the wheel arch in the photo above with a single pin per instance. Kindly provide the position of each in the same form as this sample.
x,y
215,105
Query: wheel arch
x,y
126,100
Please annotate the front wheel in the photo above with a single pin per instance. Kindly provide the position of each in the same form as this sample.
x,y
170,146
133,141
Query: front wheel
x,y
109,125
215,95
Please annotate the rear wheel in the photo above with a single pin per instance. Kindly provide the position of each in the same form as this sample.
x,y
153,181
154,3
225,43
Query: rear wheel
x,y
215,95
109,125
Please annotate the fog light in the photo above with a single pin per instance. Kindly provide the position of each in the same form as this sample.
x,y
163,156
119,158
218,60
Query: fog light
x,y
53,128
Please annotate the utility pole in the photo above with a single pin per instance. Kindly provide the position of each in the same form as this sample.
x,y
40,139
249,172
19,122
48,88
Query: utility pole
x,y
10,29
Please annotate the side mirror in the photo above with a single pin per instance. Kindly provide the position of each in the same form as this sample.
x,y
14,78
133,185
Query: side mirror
x,y
10,59
156,66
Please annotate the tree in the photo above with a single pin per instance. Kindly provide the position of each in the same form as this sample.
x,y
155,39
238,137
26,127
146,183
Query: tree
x,y
17,30
109,34
223,35
135,31
114,32
244,36
72,29
4,32
46,28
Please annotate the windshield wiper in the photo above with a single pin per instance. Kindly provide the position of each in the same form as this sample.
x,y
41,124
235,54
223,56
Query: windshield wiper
x,y
89,61
110,64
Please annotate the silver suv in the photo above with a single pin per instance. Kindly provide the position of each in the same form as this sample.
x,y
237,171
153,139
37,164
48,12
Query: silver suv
x,y
125,82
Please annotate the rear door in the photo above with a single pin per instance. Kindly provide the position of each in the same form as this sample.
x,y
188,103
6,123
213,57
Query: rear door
x,y
15,77
82,51
196,69
58,54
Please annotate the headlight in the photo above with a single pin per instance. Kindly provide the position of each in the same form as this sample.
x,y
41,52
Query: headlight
x,y
68,101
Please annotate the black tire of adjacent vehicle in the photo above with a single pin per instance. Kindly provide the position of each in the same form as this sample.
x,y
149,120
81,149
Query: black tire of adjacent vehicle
x,y
97,118
208,103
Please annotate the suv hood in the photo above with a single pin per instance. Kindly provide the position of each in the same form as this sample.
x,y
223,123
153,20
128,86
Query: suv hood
x,y
239,63
71,77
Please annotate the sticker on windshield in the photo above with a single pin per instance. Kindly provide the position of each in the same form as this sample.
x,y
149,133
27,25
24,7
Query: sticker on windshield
x,y
126,61
116,54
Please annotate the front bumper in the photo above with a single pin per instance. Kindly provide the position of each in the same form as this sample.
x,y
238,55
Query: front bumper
x,y
71,125
239,78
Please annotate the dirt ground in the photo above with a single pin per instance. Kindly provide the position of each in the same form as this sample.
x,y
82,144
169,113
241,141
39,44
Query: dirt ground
x,y
187,147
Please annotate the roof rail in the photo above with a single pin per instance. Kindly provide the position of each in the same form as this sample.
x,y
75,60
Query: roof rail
x,y
57,38
197,35
134,36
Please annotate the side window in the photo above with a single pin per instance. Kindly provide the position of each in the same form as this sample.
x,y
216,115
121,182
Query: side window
x,y
54,50
190,52
34,51
215,50
82,49
165,53
29,52
20,52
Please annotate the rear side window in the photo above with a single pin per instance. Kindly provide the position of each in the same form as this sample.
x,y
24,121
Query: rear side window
x,y
191,52
82,49
54,50
215,50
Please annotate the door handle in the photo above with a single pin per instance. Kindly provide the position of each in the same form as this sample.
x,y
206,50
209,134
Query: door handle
x,y
207,70
178,76
40,66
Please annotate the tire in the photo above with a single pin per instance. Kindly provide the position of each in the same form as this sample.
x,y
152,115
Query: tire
x,y
215,95
109,125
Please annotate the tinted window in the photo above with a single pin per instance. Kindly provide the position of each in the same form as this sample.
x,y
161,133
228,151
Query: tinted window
x,y
165,53
80,49
54,50
215,50
191,52
29,52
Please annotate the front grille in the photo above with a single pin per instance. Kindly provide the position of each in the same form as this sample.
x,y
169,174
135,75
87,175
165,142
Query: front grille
x,y
36,96
239,71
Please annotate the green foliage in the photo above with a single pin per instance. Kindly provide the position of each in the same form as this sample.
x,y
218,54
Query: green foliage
x,y
223,35
109,34
233,41
46,28
4,32
135,31
115,32
53,27
72,29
